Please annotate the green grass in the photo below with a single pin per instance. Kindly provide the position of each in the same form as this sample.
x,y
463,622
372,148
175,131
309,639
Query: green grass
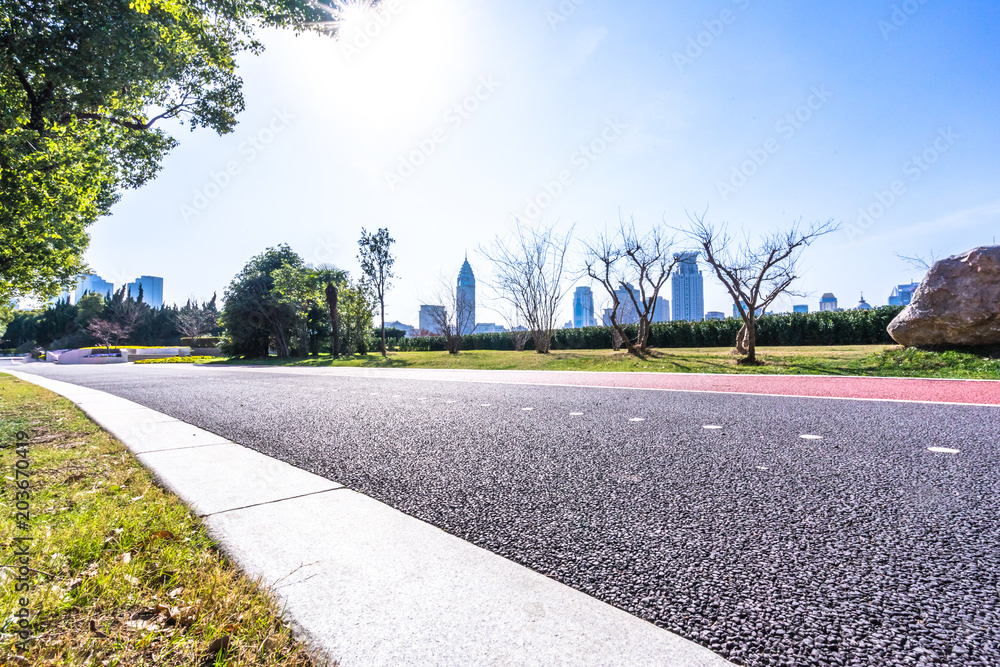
x,y
864,360
123,573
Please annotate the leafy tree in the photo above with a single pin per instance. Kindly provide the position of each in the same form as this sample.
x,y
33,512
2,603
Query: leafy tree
x,y
84,84
88,307
376,263
266,304
355,312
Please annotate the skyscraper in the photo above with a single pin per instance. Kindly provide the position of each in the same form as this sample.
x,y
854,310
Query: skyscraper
x,y
828,303
903,294
152,290
688,288
94,285
466,299
661,312
583,308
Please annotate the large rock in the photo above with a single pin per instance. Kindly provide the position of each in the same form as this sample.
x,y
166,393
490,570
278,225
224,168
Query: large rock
x,y
957,304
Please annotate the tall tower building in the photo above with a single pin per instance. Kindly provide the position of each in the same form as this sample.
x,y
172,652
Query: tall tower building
x,y
583,308
95,285
152,290
688,288
466,299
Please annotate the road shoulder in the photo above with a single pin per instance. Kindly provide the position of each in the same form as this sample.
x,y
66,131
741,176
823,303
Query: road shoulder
x,y
365,583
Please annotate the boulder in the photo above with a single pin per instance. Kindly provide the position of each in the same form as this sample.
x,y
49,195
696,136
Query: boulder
x,y
957,304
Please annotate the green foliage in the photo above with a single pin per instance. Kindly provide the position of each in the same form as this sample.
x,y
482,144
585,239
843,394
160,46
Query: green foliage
x,y
79,83
278,303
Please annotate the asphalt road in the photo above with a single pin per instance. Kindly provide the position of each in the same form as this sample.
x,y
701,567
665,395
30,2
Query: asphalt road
x,y
860,548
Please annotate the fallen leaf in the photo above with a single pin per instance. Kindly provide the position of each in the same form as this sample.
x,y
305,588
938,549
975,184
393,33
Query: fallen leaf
x,y
97,633
162,535
74,478
126,557
140,625
220,644
174,593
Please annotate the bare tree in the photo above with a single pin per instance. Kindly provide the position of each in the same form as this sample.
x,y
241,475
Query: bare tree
x,y
623,260
194,320
453,317
529,276
755,273
519,337
376,263
919,261
106,331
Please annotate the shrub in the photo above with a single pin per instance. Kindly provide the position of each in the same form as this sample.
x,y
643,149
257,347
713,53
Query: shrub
x,y
794,329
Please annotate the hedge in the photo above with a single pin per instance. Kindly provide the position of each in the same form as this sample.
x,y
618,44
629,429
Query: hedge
x,y
826,328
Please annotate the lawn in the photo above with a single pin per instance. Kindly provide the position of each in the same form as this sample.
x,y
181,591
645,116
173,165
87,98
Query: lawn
x,y
864,360
119,572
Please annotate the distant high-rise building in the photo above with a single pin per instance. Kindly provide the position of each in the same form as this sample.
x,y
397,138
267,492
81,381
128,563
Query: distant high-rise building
x,y
661,313
803,309
627,313
466,298
431,317
151,289
486,328
94,285
902,295
864,305
828,303
736,311
688,288
583,308
715,315
628,297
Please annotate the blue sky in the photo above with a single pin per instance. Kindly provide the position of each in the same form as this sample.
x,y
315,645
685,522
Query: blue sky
x,y
762,113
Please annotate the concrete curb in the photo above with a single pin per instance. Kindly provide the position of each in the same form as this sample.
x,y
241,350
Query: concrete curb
x,y
368,585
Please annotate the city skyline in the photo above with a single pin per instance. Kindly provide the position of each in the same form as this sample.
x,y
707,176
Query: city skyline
x,y
607,95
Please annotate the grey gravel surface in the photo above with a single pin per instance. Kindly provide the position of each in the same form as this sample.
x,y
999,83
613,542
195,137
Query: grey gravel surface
x,y
863,548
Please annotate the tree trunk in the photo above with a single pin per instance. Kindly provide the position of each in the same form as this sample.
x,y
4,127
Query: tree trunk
x,y
751,342
331,302
741,340
382,305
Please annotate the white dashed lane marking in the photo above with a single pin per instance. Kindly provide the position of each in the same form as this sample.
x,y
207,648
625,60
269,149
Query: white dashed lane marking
x,y
576,414
943,450
711,427
637,419
811,437
527,409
